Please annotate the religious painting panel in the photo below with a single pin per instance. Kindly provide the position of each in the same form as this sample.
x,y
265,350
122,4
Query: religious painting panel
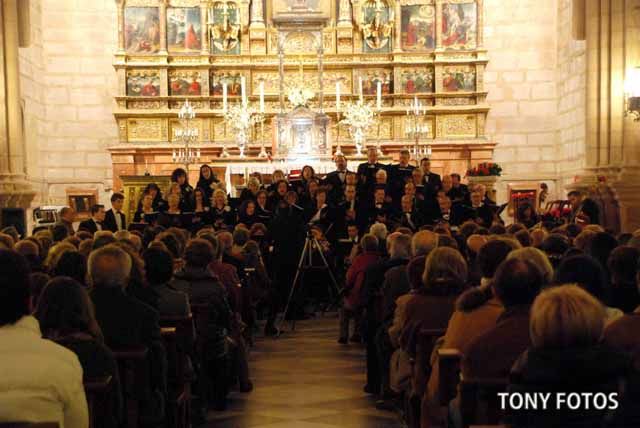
x,y
224,28
142,30
371,77
377,18
418,27
184,29
416,80
185,82
459,25
458,79
233,79
143,83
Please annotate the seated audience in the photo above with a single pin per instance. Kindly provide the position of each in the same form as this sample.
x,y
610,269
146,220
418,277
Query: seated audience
x,y
40,381
66,316
566,355
126,322
623,265
158,273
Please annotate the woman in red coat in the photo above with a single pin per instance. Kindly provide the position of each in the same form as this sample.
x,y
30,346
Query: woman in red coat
x,y
352,304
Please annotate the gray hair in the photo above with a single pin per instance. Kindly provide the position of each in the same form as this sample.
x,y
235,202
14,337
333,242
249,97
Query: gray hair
x,y
379,230
109,266
122,234
537,257
400,247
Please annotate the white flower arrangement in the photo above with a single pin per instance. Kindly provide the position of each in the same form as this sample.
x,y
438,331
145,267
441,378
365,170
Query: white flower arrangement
x,y
300,97
240,117
358,115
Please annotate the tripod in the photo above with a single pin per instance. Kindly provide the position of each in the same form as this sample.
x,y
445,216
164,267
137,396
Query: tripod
x,y
311,245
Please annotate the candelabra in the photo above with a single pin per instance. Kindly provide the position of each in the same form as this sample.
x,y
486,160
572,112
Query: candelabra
x,y
188,136
415,128
241,118
259,118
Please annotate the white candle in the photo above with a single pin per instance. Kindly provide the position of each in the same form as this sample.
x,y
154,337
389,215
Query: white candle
x,y
415,103
379,96
360,87
243,91
261,96
224,97
338,96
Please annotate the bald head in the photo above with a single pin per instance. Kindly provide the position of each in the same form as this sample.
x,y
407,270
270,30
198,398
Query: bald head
x,y
475,242
423,243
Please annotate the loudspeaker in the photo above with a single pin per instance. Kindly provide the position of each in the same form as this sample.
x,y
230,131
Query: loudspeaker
x,y
15,217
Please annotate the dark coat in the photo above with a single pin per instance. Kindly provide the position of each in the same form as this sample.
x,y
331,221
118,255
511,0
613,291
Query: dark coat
x,y
127,322
595,369
336,186
367,179
493,353
109,222
90,225
432,184
398,176
224,218
98,361
414,222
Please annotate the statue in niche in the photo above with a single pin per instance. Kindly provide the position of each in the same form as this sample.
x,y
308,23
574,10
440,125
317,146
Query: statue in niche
x,y
224,28
344,16
377,26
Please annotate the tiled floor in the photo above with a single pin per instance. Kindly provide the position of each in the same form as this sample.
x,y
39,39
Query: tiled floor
x,y
305,379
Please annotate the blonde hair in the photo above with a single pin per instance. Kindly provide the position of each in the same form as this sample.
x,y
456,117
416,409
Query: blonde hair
x,y
566,316
56,252
220,192
537,257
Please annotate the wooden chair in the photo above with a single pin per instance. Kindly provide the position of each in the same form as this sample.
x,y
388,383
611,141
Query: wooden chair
x,y
133,373
448,374
421,370
179,385
97,393
479,402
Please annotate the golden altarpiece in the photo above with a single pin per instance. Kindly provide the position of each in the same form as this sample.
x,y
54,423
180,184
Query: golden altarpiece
x,y
206,51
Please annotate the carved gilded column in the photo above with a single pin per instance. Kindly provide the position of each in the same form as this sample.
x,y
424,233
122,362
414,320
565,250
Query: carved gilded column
x,y
257,13
344,16
204,23
163,27
320,72
397,27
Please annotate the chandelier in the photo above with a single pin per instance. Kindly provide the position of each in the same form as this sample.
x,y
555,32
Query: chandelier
x,y
188,135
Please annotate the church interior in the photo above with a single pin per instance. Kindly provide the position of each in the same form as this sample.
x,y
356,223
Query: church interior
x,y
319,213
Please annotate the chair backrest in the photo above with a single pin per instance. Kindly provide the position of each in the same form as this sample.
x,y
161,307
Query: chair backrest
x,y
448,374
134,378
479,401
201,315
97,393
425,343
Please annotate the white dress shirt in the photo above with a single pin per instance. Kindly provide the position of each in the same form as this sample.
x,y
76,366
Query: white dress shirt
x,y
40,381
118,217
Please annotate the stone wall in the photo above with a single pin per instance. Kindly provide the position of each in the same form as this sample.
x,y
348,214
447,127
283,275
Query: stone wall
x,y
68,85
571,97
521,79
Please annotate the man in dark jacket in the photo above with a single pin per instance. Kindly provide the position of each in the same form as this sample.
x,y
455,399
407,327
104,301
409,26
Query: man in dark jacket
x,y
114,219
94,223
583,210
336,180
398,175
126,322
367,176
431,181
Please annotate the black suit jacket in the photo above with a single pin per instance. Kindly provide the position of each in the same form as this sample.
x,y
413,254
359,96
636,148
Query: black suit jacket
x,y
89,225
417,220
432,183
109,222
336,186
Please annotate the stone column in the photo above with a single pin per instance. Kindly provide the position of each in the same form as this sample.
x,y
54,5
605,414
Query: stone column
x,y
14,190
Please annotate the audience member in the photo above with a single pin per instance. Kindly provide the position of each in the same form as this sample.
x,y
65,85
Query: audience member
x,y
40,381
